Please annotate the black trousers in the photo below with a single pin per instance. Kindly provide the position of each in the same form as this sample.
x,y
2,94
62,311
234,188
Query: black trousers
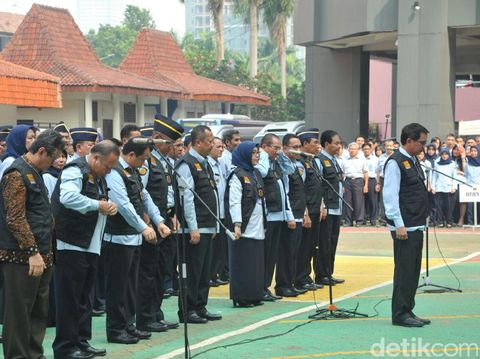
x,y
371,202
171,273
164,253
306,251
445,205
276,233
287,257
121,269
408,262
26,311
198,260
75,274
327,247
99,292
220,255
355,197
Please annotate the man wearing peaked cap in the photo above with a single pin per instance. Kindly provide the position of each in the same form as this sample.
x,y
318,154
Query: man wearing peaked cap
x,y
154,256
4,131
146,131
313,186
83,140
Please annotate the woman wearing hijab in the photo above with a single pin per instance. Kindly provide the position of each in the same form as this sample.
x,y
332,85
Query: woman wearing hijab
x,y
472,173
18,141
444,187
431,157
245,205
50,176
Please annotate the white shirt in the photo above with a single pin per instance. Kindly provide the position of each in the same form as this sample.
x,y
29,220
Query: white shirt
x,y
355,167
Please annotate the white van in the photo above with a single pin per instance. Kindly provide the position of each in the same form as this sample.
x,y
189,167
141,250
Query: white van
x,y
280,129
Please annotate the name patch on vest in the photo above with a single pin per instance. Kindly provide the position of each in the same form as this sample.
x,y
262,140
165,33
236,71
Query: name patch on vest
x,y
246,179
91,178
406,164
169,179
31,178
127,173
142,171
327,163
307,165
198,167
260,193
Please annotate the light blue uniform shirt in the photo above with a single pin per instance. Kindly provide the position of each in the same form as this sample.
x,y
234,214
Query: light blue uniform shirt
x,y
219,168
333,211
71,198
441,183
227,159
255,228
287,167
472,174
372,162
185,183
118,194
381,164
391,191
50,183
73,157
5,164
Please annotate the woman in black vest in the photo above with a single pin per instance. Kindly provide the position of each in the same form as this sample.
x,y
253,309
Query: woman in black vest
x,y
245,206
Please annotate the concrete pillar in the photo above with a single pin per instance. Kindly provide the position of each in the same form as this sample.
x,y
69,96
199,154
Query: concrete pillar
x,y
140,111
206,107
88,110
164,106
228,107
426,69
180,111
333,90
116,127
249,111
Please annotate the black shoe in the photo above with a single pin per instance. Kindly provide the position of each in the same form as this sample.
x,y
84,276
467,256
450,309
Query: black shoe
x,y
87,348
276,297
140,334
209,316
123,338
423,320
242,304
153,327
286,292
325,281
213,284
221,282
257,303
408,322
98,312
166,295
194,318
307,286
318,285
268,298
79,354
300,290
170,325
172,292
338,280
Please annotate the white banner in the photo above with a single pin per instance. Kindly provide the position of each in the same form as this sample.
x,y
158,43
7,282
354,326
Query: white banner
x,y
469,194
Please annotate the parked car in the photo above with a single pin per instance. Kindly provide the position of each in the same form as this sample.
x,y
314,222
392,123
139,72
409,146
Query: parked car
x,y
280,129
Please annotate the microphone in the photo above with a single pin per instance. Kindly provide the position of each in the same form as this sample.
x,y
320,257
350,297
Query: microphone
x,y
150,141
301,153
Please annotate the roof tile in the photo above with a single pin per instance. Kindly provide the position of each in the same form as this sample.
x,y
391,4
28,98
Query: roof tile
x,y
9,22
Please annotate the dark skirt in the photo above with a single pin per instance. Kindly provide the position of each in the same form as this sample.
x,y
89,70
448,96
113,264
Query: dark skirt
x,y
246,269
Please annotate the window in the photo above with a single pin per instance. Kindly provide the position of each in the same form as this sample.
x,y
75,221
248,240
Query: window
x,y
129,113
190,114
94,110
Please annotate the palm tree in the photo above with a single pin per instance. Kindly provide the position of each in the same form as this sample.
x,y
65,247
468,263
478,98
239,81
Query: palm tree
x,y
250,17
276,14
216,8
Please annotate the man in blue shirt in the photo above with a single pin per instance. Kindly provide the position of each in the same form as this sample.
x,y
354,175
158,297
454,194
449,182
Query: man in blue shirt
x,y
83,140
196,173
81,206
405,197
137,214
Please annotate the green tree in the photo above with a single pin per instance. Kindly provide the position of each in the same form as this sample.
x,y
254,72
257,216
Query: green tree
x,y
216,9
113,42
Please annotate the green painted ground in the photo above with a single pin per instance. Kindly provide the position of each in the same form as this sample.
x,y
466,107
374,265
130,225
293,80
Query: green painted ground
x,y
456,317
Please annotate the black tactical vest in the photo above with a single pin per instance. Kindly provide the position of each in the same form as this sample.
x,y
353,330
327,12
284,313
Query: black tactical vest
x,y
133,183
334,176
252,189
296,193
205,187
273,195
413,196
159,179
72,226
37,206
313,187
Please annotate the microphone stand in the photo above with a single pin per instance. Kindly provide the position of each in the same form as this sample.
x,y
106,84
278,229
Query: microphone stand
x,y
332,311
427,282
181,250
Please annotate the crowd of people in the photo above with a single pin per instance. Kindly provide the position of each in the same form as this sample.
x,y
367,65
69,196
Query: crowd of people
x,y
92,226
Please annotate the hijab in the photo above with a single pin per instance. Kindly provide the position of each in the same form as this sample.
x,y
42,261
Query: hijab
x,y
16,141
474,161
242,155
443,162
431,158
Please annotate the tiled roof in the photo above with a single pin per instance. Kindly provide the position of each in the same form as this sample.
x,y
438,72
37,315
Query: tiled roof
x,y
155,54
9,22
49,40
21,86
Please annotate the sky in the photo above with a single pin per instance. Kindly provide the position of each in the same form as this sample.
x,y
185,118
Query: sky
x,y
168,14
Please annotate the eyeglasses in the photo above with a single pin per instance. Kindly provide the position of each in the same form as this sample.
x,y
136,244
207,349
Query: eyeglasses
x,y
295,147
423,143
276,148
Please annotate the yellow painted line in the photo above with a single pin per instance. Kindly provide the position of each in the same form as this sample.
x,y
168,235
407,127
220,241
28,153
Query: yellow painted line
x,y
388,295
470,316
474,348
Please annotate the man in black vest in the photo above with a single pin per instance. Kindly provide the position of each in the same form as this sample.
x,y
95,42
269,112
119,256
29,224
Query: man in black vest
x,y
197,174
310,232
153,256
123,236
274,167
26,225
330,225
289,244
405,198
